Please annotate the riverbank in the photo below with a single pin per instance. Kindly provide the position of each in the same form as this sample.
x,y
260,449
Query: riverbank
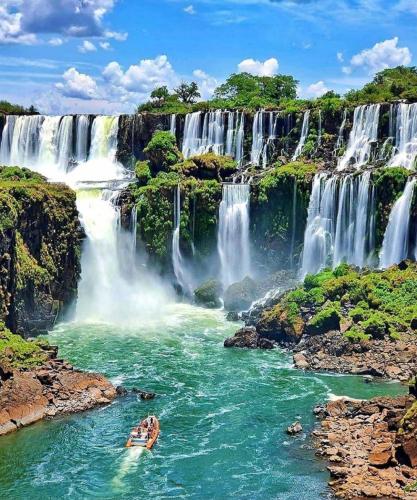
x,y
36,384
370,447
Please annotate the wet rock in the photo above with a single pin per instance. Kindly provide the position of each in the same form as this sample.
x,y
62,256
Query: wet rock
x,y
294,428
300,361
245,337
232,316
121,391
239,296
208,294
147,395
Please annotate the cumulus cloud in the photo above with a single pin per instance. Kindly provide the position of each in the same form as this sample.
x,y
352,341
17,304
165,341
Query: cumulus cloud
x,y
105,45
206,83
139,79
340,57
78,85
254,67
87,46
190,10
382,55
316,89
21,21
56,42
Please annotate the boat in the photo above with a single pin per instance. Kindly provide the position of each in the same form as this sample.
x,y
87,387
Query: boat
x,y
145,434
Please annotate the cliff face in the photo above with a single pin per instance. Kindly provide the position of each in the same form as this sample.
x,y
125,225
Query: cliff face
x,y
39,251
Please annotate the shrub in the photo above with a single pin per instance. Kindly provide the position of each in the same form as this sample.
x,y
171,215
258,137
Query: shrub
x,y
143,173
162,151
375,326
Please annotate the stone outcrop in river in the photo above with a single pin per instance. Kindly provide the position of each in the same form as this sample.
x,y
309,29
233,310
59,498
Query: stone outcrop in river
x,y
370,446
35,384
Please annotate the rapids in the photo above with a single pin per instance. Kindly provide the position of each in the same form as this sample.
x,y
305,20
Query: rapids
x,y
223,416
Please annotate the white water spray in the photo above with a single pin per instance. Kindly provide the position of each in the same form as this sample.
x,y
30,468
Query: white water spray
x,y
303,137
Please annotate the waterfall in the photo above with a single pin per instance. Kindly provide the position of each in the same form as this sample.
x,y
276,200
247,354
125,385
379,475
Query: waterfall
x,y
81,135
395,244
257,138
230,134
200,138
320,132
340,224
294,221
340,138
405,151
262,136
364,133
303,137
240,136
173,125
7,139
178,264
64,142
25,141
233,236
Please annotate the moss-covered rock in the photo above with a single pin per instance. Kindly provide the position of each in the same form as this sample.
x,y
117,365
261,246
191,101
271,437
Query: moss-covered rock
x,y
239,296
15,352
208,294
279,205
369,305
207,166
162,151
39,250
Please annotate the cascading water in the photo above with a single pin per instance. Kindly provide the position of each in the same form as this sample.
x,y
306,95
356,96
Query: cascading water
x,y
363,135
405,151
264,132
178,264
173,125
395,245
304,135
340,224
233,241
340,137
81,143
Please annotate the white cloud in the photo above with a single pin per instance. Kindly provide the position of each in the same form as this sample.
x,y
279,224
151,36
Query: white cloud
x,y
254,67
347,70
116,35
340,57
316,89
190,10
21,21
206,83
105,45
87,46
382,55
56,42
407,6
139,79
78,85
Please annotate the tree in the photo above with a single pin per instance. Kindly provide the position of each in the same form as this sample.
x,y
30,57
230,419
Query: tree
x,y
244,89
159,95
188,93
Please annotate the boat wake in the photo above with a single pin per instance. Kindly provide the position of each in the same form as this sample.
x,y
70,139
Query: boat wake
x,y
128,464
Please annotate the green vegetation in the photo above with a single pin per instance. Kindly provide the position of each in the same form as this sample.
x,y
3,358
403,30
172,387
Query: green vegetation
x,y
162,151
15,109
207,166
39,231
246,91
372,305
19,353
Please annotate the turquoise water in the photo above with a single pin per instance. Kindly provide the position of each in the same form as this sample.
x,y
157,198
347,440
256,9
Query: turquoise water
x,y
223,414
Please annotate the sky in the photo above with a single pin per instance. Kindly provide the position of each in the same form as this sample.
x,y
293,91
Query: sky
x,y
106,56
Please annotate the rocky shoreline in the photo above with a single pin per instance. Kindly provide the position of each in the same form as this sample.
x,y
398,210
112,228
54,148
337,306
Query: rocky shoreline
x,y
370,447
51,389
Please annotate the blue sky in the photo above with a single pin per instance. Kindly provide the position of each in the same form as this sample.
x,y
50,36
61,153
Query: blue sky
x,y
107,55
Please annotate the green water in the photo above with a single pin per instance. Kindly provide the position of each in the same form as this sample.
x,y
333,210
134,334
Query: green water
x,y
223,413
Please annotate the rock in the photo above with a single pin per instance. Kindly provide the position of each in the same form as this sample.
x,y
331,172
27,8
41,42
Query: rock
x,y
245,337
239,296
300,361
381,454
208,294
147,395
121,391
294,428
232,316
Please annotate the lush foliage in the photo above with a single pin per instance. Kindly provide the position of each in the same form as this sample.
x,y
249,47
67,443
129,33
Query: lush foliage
x,y
371,305
162,151
388,85
19,353
207,166
15,109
